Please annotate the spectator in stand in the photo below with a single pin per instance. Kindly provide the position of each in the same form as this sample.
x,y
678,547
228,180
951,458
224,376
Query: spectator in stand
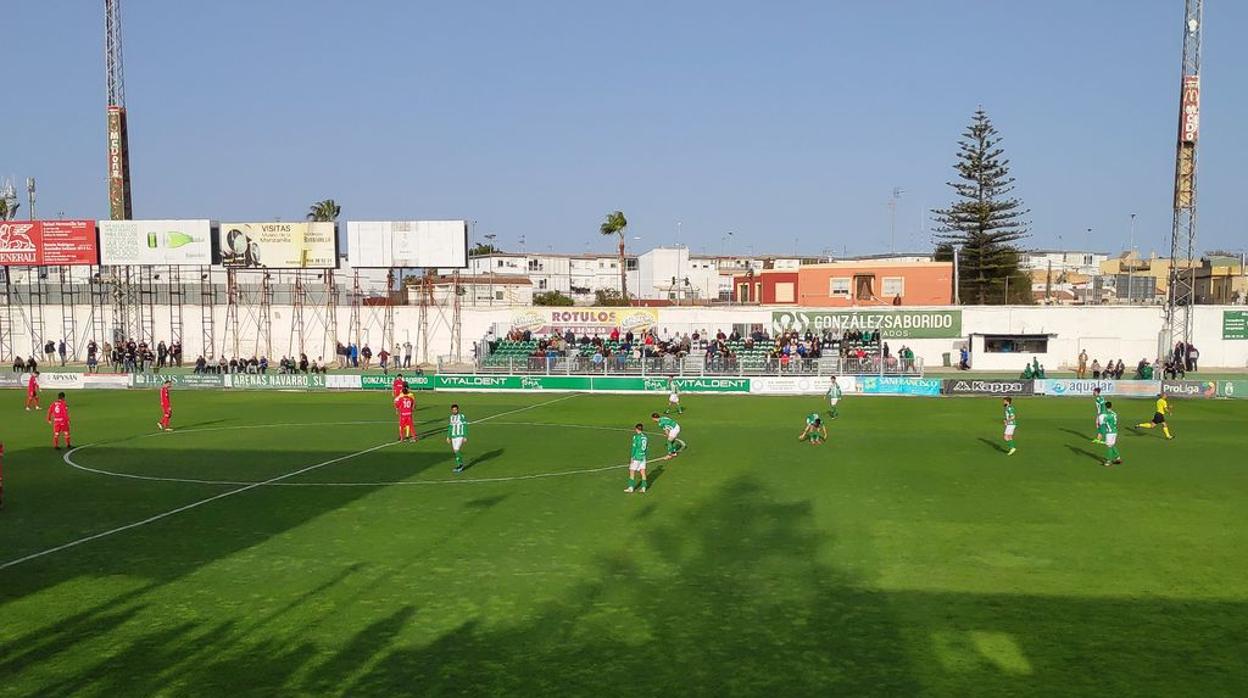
x,y
353,355
200,365
615,334
366,354
383,358
1082,371
18,365
31,364
61,350
303,362
162,353
49,350
964,358
1193,355
407,350
1119,370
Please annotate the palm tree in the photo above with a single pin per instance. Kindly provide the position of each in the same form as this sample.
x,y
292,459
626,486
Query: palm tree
x,y
324,211
614,224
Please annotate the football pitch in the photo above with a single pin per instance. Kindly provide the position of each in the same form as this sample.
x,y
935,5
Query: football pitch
x,y
284,544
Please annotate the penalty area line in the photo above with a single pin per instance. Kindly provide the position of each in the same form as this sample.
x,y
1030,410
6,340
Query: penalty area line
x,y
230,493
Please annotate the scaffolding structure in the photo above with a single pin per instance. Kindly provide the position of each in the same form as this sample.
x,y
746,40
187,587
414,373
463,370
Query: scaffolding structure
x,y
1182,296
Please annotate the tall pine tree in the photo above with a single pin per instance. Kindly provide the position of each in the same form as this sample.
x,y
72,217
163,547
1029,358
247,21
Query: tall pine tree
x,y
984,221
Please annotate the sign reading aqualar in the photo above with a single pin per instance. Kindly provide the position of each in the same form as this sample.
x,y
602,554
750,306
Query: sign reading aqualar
x,y
916,324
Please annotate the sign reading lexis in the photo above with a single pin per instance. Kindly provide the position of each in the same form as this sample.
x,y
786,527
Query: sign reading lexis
x,y
177,243
919,324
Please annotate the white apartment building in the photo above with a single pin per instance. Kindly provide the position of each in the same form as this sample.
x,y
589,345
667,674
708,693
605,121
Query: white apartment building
x,y
1080,262
576,276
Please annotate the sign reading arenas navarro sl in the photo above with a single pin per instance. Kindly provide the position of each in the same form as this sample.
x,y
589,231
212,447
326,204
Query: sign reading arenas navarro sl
x,y
918,324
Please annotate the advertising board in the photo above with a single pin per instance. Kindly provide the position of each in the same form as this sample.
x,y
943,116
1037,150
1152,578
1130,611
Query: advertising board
x,y
105,381
61,380
913,324
274,381
370,381
1062,387
587,321
389,244
47,243
344,381
1233,389
118,164
1189,109
886,385
11,380
1181,389
960,386
1235,324
181,381
800,385
279,245
156,242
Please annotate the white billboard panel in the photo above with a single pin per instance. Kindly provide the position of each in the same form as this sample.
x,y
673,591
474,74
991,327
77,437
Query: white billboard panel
x,y
279,245
388,244
156,242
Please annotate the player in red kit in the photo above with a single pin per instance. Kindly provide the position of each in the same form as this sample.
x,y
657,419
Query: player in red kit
x,y
398,385
58,417
405,405
166,407
32,392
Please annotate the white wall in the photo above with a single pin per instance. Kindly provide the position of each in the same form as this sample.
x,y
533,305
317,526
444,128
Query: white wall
x,y
1129,333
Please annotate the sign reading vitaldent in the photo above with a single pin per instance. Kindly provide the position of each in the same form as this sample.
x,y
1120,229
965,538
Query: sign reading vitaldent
x,y
917,324
588,321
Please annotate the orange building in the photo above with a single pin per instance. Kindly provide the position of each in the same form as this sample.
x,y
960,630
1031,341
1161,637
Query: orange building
x,y
867,283
767,286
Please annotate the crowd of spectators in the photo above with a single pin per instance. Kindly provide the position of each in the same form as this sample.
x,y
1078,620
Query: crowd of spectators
x,y
720,351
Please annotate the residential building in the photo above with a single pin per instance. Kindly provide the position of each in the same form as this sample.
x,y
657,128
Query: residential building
x,y
1220,280
1082,262
477,290
849,284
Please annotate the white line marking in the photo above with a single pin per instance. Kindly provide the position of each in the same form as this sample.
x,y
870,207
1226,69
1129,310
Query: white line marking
x,y
230,493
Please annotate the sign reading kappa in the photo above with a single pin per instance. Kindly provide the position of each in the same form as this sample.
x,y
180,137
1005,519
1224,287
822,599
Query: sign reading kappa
x,y
917,324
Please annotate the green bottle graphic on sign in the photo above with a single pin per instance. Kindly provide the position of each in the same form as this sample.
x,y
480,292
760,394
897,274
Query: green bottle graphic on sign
x,y
173,239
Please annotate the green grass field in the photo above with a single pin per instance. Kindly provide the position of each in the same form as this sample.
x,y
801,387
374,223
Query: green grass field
x,y
908,556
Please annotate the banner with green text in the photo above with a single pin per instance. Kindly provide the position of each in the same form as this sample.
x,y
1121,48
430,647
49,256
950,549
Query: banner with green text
x,y
181,381
274,381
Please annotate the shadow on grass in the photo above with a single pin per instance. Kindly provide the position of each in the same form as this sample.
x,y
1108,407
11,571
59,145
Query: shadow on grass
x,y
993,445
483,458
731,597
1079,451
1076,434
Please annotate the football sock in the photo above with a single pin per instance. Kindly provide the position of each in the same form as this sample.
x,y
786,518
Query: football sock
x,y
1165,428
1113,453
632,482
643,483
459,459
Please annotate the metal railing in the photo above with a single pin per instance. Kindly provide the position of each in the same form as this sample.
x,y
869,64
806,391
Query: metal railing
x,y
692,365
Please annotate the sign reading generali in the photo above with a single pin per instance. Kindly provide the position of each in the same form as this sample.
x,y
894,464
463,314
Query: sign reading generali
x,y
959,386
47,243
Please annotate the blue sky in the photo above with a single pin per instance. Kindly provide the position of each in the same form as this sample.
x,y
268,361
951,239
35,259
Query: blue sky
x,y
786,123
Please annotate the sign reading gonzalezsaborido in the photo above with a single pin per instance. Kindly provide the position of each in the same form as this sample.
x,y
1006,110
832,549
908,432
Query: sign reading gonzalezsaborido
x,y
919,324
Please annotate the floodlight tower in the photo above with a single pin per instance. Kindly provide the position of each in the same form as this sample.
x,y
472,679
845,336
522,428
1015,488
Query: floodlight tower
x,y
1183,235
126,321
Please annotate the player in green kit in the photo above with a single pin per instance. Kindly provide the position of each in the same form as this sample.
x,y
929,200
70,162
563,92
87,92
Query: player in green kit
x,y
814,433
671,430
457,436
1010,421
638,455
1100,410
1109,429
673,397
834,397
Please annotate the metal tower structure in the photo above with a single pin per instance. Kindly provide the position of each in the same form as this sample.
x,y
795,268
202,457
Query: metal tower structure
x,y
1183,235
127,320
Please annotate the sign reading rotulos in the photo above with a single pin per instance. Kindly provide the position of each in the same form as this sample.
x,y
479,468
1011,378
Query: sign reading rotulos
x,y
959,386
917,324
